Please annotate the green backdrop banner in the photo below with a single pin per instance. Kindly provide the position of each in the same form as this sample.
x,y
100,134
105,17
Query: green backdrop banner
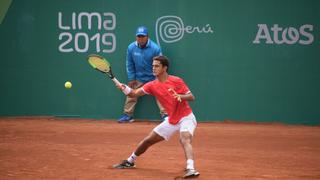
x,y
250,60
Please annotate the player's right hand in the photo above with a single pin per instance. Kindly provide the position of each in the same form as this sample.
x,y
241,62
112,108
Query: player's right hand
x,y
121,86
124,88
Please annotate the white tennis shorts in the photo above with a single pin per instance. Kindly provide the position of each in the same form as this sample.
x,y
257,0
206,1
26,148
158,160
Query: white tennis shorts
x,y
186,124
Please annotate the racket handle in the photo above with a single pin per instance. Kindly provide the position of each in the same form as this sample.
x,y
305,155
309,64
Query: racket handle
x,y
116,81
125,89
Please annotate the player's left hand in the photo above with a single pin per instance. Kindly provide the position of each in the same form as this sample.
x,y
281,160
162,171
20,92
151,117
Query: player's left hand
x,y
175,94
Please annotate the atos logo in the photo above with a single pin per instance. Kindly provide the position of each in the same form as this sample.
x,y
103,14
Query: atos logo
x,y
289,35
170,29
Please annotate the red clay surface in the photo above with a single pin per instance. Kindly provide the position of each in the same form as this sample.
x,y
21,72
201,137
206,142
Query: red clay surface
x,y
48,148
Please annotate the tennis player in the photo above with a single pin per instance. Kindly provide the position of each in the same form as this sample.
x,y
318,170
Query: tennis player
x,y
173,94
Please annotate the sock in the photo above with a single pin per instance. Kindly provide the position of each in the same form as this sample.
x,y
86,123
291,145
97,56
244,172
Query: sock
x,y
132,158
190,163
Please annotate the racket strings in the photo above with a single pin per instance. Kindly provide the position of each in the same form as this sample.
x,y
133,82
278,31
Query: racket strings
x,y
99,63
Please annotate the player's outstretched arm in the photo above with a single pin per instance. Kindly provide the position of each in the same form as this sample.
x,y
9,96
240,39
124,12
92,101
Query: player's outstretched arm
x,y
129,91
136,93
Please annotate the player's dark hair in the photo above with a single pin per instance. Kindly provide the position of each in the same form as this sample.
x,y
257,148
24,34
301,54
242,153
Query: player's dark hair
x,y
163,60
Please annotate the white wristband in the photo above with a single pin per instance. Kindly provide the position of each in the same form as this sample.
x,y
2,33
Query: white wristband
x,y
126,90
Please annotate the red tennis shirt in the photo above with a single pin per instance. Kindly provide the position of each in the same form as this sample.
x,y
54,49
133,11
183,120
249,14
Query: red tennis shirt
x,y
175,109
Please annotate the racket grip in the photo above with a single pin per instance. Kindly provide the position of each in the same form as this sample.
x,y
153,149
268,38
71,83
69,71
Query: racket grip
x,y
125,89
116,81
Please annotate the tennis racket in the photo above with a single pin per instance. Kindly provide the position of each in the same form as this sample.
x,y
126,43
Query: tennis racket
x,y
101,64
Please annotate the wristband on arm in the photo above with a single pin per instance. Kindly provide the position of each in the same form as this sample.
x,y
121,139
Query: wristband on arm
x,y
126,89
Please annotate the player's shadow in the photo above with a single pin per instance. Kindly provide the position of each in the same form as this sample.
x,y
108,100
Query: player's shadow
x,y
150,173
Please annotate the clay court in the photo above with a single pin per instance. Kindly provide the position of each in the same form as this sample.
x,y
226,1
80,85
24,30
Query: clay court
x,y
50,148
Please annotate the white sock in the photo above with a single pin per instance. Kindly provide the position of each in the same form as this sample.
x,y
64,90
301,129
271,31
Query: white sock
x,y
190,163
132,158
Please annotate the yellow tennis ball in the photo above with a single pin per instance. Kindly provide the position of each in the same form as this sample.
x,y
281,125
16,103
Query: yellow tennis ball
x,y
68,85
